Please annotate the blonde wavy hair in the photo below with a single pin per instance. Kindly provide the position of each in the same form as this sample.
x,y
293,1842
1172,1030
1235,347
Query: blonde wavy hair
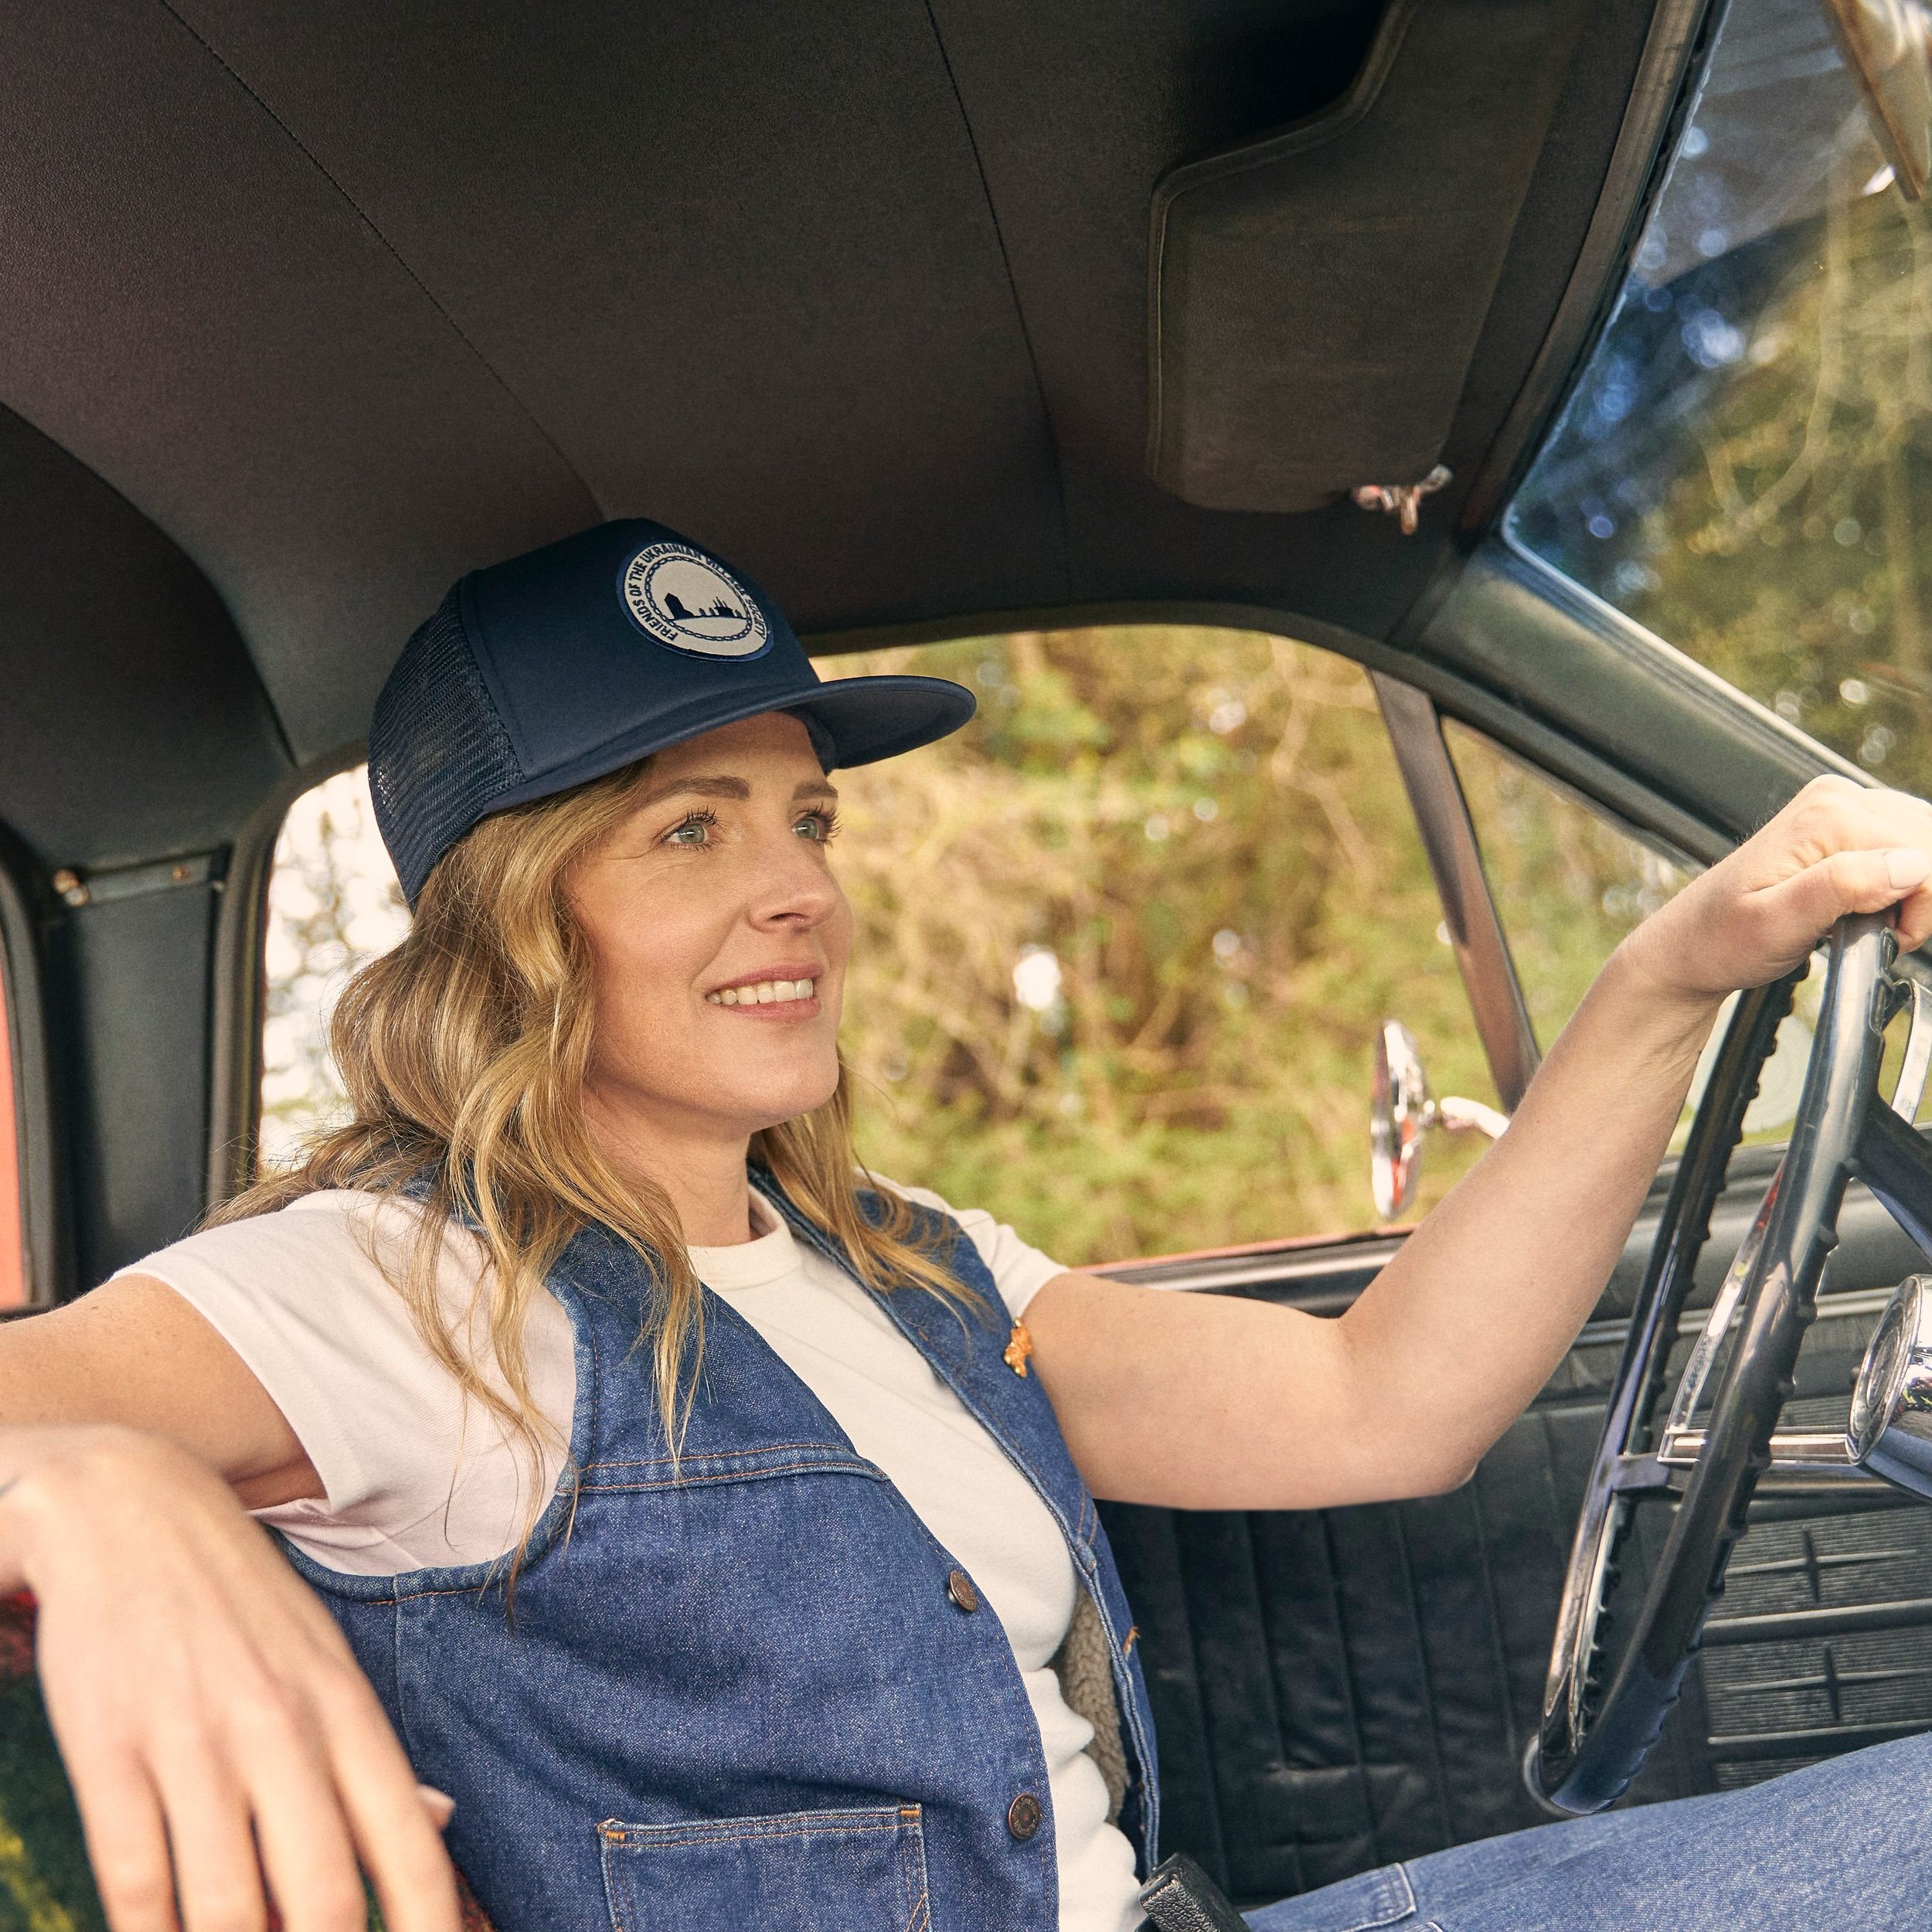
x,y
464,1052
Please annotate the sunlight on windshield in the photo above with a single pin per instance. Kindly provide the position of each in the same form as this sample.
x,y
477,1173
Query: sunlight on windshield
x,y
1746,468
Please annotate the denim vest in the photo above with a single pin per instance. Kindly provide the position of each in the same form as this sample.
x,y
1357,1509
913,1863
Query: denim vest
x,y
738,1694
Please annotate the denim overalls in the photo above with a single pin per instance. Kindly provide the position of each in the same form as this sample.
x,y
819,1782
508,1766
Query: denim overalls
x,y
743,1696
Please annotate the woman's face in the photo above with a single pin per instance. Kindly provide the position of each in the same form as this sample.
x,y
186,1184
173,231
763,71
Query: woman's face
x,y
718,938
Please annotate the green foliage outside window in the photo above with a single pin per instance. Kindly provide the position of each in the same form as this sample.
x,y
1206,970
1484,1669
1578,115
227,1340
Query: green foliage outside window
x,y
1568,883
1124,942
1788,550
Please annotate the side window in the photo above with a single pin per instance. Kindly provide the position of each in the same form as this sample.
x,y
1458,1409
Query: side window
x,y
1570,884
333,904
1123,946
1125,942
13,1260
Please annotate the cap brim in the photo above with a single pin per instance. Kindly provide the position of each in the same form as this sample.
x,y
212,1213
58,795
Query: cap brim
x,y
868,718
865,719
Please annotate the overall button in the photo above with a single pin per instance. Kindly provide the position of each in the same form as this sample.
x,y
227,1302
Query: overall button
x,y
1022,1816
959,1586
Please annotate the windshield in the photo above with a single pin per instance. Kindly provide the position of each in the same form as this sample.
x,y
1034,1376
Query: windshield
x,y
1746,468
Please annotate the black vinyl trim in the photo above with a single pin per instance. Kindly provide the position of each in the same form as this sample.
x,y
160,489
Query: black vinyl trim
x,y
1828,1622
45,1254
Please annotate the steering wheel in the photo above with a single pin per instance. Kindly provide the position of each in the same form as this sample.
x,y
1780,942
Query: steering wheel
x,y
1611,1687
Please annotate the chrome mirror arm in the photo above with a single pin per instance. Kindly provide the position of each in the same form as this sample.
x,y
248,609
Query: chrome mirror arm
x,y
1460,1116
1399,1105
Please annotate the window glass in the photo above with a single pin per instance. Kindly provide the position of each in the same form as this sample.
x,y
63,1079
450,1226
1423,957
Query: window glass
x,y
1124,943
333,905
1569,884
1126,940
1746,466
13,1261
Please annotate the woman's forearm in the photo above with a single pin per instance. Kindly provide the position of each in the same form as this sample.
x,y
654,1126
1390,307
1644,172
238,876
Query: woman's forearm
x,y
1459,1332
40,1464
1211,1402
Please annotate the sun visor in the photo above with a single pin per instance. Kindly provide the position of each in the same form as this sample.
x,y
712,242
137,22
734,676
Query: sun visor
x,y
1316,295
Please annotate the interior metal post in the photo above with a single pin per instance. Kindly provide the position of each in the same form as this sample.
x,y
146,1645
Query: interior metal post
x,y
1449,838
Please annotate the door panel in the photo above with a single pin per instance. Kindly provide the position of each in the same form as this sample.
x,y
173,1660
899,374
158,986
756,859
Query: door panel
x,y
1336,1689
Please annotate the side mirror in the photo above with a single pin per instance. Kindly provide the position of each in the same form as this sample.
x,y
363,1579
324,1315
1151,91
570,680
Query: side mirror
x,y
1400,1112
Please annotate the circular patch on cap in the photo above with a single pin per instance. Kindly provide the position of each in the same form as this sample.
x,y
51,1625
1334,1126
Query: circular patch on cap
x,y
680,596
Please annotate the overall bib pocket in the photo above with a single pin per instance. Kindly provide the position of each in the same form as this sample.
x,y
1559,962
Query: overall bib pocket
x,y
862,1870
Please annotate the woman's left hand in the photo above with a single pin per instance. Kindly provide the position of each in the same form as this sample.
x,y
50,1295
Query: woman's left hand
x,y
1839,847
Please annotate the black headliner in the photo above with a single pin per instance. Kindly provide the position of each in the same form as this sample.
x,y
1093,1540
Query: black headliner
x,y
346,299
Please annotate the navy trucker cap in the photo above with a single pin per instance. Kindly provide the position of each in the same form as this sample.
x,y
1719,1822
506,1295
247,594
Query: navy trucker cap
x,y
557,668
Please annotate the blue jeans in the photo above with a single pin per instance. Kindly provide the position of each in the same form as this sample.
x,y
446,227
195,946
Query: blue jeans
x,y
1843,1846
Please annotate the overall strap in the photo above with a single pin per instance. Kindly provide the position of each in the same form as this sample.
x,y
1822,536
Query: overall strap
x,y
964,1341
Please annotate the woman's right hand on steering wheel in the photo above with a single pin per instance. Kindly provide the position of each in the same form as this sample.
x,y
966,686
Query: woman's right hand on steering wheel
x,y
219,1735
1838,847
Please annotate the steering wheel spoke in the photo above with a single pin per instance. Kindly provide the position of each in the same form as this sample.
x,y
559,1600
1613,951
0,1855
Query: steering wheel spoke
x,y
1639,1475
1798,1451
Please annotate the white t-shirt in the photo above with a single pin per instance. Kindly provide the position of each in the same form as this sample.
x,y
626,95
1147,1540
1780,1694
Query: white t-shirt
x,y
414,1478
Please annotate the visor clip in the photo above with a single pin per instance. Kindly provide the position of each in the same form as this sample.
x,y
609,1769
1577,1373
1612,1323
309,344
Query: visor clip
x,y
1403,500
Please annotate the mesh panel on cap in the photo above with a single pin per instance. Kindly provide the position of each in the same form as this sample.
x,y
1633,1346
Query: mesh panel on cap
x,y
438,753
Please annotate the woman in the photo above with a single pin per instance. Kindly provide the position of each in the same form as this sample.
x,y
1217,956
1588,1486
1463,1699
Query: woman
x,y
780,1601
